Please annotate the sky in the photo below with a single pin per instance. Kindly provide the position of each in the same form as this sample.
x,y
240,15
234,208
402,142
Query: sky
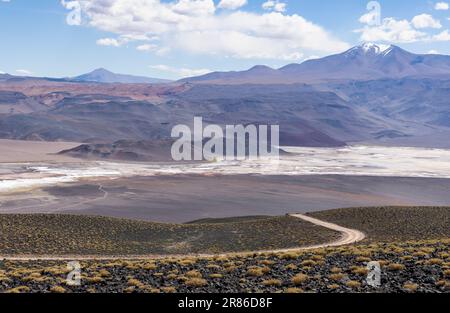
x,y
179,38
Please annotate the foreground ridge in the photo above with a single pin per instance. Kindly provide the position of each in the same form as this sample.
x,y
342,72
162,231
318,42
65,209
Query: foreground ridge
x,y
348,236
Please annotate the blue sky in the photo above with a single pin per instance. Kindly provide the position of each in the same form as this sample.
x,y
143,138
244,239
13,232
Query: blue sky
x,y
176,38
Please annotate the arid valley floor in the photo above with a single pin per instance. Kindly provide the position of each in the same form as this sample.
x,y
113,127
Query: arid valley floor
x,y
45,182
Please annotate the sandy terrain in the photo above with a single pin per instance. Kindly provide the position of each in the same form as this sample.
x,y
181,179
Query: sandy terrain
x,y
183,198
17,151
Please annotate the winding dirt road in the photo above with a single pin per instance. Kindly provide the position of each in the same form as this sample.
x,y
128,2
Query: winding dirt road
x,y
348,236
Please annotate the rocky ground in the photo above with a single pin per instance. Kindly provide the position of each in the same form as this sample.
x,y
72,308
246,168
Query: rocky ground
x,y
419,266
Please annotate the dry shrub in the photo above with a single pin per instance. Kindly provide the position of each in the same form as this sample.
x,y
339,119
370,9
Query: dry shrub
x,y
299,279
353,284
272,282
196,282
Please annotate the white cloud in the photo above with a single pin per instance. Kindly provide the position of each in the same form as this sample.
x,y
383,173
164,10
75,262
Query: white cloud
x,y
433,52
443,6
274,5
1,73
425,21
392,30
232,4
443,36
147,47
109,42
194,26
24,72
404,31
180,72
191,7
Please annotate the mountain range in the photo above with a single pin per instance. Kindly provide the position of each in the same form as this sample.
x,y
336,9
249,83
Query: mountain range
x,y
368,94
366,62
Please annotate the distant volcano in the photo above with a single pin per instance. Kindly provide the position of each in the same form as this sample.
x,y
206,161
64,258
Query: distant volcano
x,y
102,75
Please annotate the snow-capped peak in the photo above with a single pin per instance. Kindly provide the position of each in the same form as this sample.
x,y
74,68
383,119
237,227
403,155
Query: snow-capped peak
x,y
370,49
375,48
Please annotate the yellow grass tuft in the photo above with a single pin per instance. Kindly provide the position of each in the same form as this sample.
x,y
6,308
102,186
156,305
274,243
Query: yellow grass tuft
x,y
272,282
216,276
435,261
409,287
353,284
20,289
194,274
337,276
294,290
135,283
57,289
196,282
168,289
360,271
396,267
308,263
336,270
299,279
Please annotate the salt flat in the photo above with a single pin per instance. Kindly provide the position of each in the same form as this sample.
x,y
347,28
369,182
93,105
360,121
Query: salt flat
x,y
308,179
348,161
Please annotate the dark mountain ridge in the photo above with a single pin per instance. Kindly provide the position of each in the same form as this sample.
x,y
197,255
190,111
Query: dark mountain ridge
x,y
381,95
